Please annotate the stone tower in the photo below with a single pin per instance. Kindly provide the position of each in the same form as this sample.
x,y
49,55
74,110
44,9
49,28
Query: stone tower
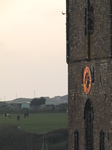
x,y
89,58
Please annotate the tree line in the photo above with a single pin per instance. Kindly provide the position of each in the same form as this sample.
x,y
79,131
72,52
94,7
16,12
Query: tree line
x,y
37,102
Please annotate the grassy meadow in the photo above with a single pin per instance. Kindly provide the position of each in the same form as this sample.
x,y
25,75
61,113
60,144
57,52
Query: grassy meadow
x,y
37,122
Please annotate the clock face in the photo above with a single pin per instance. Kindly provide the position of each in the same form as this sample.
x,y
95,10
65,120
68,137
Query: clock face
x,y
87,80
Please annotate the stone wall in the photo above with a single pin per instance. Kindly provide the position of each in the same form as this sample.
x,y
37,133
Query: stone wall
x,y
100,94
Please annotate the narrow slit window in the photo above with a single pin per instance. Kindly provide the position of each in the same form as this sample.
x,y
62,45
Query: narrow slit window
x,y
102,140
82,75
89,30
86,22
76,140
89,23
93,75
67,31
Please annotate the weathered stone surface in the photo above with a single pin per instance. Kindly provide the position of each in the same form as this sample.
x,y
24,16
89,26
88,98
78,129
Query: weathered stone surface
x,y
101,90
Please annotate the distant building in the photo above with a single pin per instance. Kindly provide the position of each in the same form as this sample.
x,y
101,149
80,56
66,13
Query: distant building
x,y
25,105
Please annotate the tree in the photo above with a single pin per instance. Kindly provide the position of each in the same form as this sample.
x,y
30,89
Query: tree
x,y
38,101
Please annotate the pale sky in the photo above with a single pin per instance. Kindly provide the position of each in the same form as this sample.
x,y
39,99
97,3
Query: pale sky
x,y
32,49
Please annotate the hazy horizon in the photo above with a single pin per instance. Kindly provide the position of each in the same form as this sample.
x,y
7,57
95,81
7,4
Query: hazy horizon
x,y
32,49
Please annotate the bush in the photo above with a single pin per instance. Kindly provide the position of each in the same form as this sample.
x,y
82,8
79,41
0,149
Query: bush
x,y
12,138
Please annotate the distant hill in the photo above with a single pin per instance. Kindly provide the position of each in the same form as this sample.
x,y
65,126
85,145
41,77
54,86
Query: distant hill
x,y
20,100
55,100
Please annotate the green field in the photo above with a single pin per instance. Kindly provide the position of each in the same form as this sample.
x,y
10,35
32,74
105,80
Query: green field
x,y
38,122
